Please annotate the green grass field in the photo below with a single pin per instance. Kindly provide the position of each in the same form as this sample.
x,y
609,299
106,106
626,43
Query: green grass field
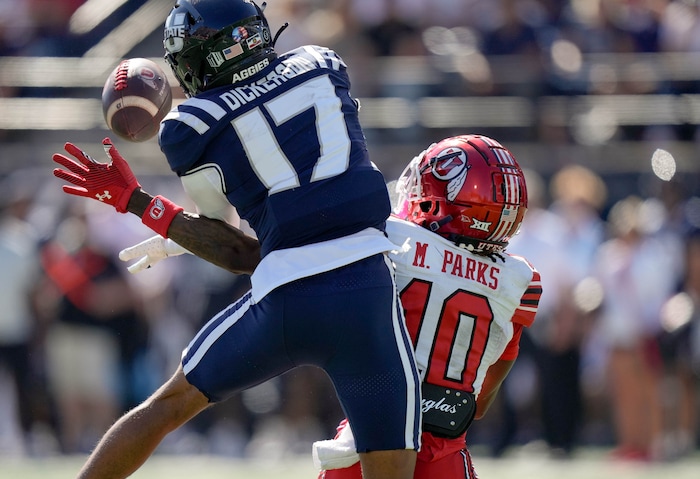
x,y
520,464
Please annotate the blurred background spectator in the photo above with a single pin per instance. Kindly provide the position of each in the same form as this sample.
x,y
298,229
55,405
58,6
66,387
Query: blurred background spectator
x,y
679,343
19,332
598,99
95,334
561,237
639,268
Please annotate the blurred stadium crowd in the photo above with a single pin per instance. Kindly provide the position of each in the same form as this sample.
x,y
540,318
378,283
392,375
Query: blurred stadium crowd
x,y
598,100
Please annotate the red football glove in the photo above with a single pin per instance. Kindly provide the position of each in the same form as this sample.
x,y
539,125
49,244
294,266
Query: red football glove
x,y
111,183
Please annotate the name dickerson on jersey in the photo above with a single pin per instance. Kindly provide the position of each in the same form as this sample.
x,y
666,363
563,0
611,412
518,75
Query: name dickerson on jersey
x,y
289,69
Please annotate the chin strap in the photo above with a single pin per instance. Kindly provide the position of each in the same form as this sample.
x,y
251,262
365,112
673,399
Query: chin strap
x,y
277,35
262,7
434,226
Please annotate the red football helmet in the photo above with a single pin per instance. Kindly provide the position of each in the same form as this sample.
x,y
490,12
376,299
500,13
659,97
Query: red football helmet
x,y
468,189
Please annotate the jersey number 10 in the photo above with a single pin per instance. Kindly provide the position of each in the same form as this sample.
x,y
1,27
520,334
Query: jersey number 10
x,y
459,335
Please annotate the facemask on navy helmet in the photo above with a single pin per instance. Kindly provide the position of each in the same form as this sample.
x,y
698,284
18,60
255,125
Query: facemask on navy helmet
x,y
212,43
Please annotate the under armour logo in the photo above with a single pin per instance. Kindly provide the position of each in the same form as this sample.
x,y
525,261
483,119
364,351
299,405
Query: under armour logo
x,y
103,197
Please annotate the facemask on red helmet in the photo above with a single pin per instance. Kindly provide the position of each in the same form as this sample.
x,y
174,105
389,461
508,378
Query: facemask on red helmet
x,y
468,189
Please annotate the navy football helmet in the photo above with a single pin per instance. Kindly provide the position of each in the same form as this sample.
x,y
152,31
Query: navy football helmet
x,y
468,189
211,43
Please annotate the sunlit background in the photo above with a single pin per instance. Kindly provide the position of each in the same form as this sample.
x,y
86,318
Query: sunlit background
x,y
599,100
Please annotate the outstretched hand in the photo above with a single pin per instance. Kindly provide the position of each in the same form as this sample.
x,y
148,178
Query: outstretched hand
x,y
150,252
111,183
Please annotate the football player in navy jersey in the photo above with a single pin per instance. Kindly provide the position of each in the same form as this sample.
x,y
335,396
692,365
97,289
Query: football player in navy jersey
x,y
278,138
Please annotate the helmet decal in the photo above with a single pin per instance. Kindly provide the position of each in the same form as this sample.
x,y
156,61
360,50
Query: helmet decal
x,y
480,225
448,163
455,185
175,33
508,217
232,51
239,34
216,59
451,165
254,41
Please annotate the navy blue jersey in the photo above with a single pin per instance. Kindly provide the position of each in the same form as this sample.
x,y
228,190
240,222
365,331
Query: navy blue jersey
x,y
288,148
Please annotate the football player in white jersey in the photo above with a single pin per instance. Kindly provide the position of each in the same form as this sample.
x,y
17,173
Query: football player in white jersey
x,y
466,300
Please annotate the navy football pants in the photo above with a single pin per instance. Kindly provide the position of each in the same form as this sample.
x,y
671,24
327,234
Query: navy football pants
x,y
347,321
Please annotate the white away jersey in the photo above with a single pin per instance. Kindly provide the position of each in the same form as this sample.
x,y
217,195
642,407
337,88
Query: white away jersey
x,y
460,307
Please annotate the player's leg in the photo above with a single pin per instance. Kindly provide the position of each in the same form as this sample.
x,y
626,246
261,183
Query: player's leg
x,y
242,346
134,437
216,363
397,463
377,464
369,359
390,351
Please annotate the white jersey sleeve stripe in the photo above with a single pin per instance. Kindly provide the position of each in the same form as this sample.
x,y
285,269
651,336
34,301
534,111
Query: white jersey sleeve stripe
x,y
317,56
208,106
188,119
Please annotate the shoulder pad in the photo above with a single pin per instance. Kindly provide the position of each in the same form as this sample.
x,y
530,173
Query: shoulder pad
x,y
185,131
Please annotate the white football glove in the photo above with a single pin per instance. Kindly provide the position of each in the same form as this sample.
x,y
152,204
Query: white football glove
x,y
150,251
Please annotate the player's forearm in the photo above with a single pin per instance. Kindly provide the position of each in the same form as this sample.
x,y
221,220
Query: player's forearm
x,y
212,240
492,383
